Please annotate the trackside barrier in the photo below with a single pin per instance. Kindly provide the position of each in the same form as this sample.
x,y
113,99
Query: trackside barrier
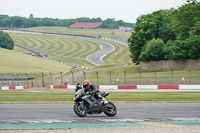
x,y
108,87
168,86
127,86
13,87
186,87
56,87
138,87
147,87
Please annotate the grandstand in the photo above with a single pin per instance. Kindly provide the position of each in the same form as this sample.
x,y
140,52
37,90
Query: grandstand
x,y
85,25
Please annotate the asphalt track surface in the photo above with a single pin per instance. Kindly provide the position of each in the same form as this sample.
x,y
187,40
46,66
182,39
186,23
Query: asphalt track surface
x,y
126,111
95,58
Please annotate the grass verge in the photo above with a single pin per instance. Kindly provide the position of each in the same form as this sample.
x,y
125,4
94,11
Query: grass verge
x,y
122,97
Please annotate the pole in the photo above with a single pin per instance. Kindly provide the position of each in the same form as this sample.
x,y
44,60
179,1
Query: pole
x,y
72,77
26,79
61,78
17,79
97,77
2,83
140,78
190,76
43,84
172,76
13,76
124,77
155,78
110,77
84,75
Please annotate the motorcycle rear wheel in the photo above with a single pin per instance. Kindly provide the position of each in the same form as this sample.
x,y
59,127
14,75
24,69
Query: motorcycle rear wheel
x,y
111,111
80,111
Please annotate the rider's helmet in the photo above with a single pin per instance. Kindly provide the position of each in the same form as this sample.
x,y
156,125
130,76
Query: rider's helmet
x,y
86,84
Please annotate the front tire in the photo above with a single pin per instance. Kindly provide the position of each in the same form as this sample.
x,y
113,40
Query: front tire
x,y
112,110
80,111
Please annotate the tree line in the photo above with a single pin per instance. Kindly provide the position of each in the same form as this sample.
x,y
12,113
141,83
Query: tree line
x,y
22,22
167,34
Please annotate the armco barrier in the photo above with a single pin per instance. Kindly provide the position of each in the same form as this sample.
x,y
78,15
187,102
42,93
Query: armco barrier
x,y
147,87
14,87
56,86
138,87
108,87
192,87
168,86
127,86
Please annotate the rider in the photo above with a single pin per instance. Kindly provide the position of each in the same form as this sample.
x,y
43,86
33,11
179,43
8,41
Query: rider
x,y
88,87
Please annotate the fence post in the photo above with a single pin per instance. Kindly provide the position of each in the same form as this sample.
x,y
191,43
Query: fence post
x,y
27,82
97,77
140,78
17,79
190,76
124,77
110,77
61,78
43,84
2,82
32,84
172,76
72,77
50,78
84,75
13,76
155,78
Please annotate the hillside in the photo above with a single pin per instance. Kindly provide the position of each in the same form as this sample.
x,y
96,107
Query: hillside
x,y
65,49
16,62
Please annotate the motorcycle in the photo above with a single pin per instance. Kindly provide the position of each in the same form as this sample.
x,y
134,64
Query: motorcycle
x,y
87,103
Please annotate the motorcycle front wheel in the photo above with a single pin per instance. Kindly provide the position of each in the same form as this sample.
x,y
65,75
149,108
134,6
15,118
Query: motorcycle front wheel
x,y
111,109
80,111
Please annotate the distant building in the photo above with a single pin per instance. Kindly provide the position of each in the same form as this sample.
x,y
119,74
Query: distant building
x,y
85,25
122,28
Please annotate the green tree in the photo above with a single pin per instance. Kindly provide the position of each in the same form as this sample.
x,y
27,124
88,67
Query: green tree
x,y
192,45
31,16
175,50
184,19
6,41
154,50
148,27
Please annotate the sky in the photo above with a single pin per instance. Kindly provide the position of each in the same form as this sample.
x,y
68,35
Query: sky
x,y
126,10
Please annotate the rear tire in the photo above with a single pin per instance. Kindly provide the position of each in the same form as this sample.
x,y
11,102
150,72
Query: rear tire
x,y
111,111
82,112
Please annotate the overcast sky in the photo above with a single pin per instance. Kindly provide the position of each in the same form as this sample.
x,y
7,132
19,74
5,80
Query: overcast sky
x,y
126,10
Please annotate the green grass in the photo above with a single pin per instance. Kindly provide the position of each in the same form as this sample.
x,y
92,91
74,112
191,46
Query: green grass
x,y
130,97
91,32
16,62
66,49
121,55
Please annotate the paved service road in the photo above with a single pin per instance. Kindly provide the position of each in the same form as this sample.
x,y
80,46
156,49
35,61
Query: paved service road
x,y
134,111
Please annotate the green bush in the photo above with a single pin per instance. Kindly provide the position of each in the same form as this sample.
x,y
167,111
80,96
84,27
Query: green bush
x,y
154,50
6,41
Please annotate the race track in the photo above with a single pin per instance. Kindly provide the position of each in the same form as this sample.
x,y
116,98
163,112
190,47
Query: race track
x,y
135,111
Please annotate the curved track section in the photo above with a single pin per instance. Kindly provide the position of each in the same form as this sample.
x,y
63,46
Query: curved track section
x,y
96,58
